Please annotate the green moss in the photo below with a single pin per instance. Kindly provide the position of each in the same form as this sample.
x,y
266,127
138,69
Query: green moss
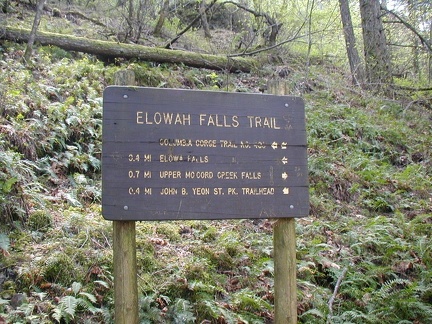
x,y
198,269
232,243
40,220
9,285
170,230
220,260
143,244
147,76
146,261
60,268
56,53
210,234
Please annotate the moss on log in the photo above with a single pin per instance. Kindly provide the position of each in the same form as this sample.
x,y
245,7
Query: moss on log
x,y
128,51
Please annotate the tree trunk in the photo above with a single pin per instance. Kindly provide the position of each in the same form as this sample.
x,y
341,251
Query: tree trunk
x,y
29,49
129,32
128,51
275,27
353,56
204,21
309,48
162,15
430,57
415,50
377,58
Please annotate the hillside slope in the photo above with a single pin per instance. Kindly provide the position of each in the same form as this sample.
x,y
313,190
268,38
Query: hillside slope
x,y
369,228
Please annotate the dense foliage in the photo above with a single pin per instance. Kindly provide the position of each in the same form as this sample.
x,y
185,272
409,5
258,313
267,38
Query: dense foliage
x,y
364,254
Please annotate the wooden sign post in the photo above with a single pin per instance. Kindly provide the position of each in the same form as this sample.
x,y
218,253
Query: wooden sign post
x,y
124,252
284,249
171,154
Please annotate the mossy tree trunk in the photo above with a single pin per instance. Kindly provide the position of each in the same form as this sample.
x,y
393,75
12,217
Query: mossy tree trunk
x,y
128,51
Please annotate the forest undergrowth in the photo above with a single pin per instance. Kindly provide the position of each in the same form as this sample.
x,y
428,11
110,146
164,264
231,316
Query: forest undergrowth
x,y
369,227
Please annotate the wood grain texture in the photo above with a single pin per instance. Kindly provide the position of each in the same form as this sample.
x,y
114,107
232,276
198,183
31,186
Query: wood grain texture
x,y
183,154
125,273
124,253
284,245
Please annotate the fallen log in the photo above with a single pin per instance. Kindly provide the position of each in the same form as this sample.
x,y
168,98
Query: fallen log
x,y
128,51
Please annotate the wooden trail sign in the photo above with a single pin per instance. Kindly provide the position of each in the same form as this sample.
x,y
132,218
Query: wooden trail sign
x,y
184,154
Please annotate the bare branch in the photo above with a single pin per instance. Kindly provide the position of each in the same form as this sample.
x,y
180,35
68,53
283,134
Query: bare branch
x,y
78,14
83,16
335,292
266,48
198,17
424,102
296,36
424,41
269,20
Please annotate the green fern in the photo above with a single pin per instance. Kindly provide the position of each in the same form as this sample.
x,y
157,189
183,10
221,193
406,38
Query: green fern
x,y
4,242
76,287
65,309
69,306
247,300
148,311
90,297
351,317
181,312
399,300
392,286
312,315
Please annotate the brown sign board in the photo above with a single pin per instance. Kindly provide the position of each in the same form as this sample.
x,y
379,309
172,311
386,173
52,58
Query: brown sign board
x,y
170,154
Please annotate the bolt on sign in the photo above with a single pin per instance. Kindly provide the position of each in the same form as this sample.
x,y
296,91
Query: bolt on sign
x,y
172,154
